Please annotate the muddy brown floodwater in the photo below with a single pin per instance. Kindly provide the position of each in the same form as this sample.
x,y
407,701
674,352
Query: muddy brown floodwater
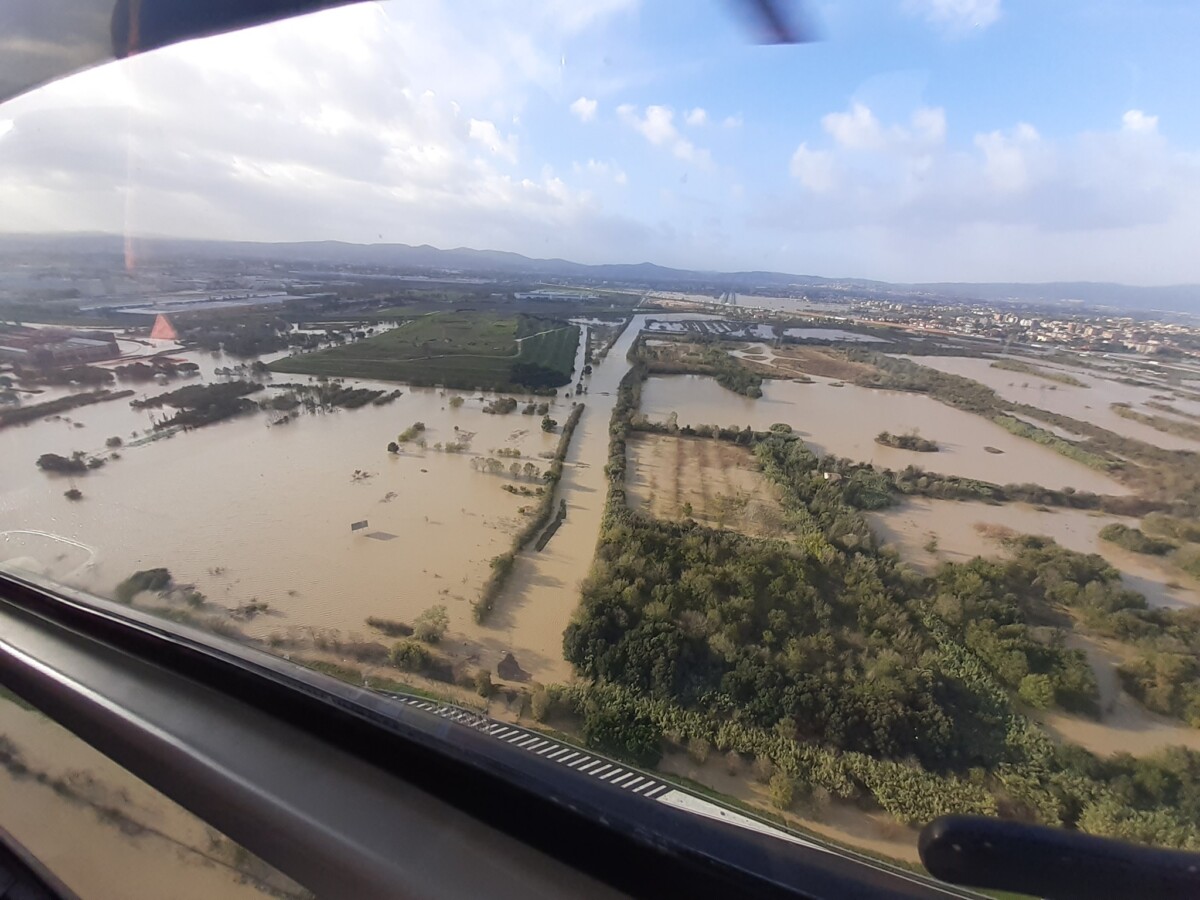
x,y
543,590
845,420
911,525
1091,404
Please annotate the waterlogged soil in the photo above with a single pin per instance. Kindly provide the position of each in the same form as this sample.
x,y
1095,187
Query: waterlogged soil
x,y
714,482
163,850
844,421
964,530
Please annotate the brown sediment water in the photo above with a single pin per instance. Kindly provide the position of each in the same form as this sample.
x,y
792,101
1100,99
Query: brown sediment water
x,y
845,420
1091,404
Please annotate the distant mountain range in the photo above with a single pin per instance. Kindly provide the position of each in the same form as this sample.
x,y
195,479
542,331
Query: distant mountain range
x,y
424,259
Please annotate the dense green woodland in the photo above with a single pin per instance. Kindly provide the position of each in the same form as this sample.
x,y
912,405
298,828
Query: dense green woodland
x,y
821,655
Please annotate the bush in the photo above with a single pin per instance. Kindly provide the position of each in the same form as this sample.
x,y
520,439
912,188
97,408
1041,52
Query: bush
x,y
763,769
620,729
409,656
1037,691
540,704
410,432
1135,540
782,790
431,625
698,750
733,763
390,627
70,465
483,683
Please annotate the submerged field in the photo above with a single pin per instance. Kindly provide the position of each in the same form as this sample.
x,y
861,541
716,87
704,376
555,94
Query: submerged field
x,y
471,351
715,483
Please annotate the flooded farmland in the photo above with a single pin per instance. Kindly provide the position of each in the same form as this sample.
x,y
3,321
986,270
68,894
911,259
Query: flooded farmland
x,y
251,513
845,420
716,483
1090,404
930,532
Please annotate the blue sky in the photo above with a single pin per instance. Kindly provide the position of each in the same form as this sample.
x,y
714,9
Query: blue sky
x,y
919,140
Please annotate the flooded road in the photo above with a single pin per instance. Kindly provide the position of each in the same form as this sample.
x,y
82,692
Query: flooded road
x,y
845,420
543,589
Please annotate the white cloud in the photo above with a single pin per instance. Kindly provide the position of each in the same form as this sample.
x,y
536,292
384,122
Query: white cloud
x,y
488,135
584,109
859,129
956,17
1007,157
601,169
734,121
658,127
264,135
912,186
698,116
813,168
1137,121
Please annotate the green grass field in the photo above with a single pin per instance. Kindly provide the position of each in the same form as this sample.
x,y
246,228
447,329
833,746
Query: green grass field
x,y
469,351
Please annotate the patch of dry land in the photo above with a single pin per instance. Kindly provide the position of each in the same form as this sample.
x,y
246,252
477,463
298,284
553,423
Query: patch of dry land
x,y
875,832
714,482
796,361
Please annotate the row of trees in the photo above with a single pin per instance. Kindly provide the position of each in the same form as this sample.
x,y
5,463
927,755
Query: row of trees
x,y
503,564
203,404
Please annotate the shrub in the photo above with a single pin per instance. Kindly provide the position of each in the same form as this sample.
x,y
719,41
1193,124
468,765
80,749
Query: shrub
x,y
539,704
431,625
1037,691
409,656
390,627
483,683
782,790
